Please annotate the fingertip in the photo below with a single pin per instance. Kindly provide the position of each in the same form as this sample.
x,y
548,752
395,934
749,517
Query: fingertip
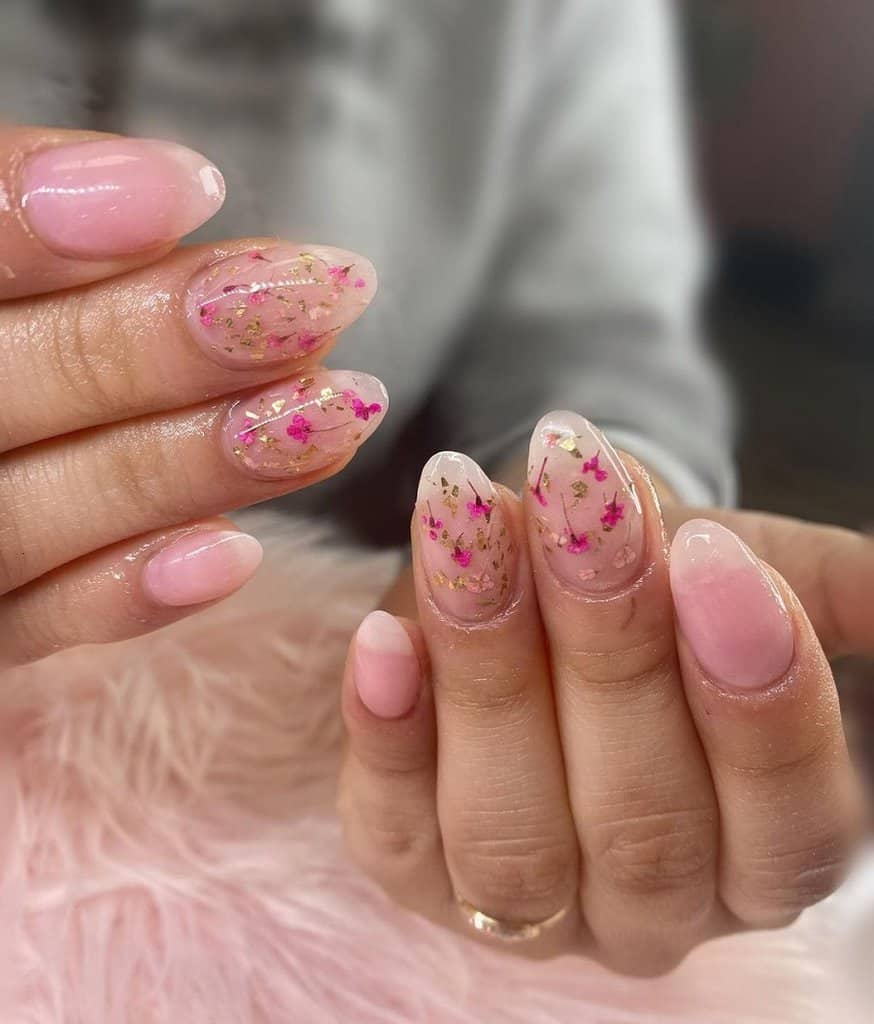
x,y
386,666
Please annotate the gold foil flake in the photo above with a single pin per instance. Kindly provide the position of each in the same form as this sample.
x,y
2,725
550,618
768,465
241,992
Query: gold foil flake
x,y
326,394
278,405
252,415
569,444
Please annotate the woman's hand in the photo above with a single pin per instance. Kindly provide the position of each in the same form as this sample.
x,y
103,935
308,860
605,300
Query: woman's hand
x,y
146,390
587,745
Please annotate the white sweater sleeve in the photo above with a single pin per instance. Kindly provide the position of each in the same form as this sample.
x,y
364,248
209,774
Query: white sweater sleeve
x,y
592,299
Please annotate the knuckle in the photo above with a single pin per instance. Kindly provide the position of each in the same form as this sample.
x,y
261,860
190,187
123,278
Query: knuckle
x,y
491,687
386,840
776,888
514,878
644,674
76,357
659,853
140,481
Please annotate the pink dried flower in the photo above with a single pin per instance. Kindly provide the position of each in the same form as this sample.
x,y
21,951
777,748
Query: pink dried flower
x,y
307,340
592,466
363,411
248,436
339,275
207,314
360,283
257,297
300,428
614,513
461,557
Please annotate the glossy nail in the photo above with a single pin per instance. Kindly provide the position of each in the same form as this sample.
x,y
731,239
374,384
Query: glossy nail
x,y
304,424
279,304
199,567
466,547
387,673
117,196
587,512
728,608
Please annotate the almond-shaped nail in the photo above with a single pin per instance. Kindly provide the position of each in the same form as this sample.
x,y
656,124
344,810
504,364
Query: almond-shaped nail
x,y
278,304
587,512
729,609
114,197
467,549
304,424
203,566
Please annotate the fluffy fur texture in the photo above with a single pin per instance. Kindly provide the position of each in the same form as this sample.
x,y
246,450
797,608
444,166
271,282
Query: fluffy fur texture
x,y
171,855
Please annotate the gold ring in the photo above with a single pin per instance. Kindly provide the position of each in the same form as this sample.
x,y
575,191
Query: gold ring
x,y
507,931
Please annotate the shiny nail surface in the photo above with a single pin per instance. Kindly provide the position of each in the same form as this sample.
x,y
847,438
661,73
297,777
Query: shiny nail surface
x,y
304,424
276,305
586,509
729,609
466,547
113,197
199,567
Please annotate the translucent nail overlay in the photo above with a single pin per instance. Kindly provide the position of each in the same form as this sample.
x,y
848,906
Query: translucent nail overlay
x,y
279,304
302,425
467,550
587,512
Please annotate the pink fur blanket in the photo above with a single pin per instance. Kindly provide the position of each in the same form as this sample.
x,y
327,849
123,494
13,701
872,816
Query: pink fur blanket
x,y
170,852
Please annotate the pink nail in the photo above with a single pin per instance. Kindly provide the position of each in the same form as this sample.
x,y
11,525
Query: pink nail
x,y
387,672
587,512
118,196
275,305
200,567
304,424
467,550
729,609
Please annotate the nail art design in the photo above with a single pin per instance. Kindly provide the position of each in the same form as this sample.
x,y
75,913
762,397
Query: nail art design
x,y
587,511
304,424
276,305
466,547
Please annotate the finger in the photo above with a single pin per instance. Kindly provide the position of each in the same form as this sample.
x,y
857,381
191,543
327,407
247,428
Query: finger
x,y
80,206
830,569
641,793
764,700
203,322
388,786
502,802
126,590
113,482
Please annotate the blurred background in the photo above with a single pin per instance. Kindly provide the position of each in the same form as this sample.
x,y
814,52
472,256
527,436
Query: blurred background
x,y
784,112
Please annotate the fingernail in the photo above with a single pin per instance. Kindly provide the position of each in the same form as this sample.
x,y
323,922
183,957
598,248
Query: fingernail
x,y
117,196
466,547
275,305
387,672
586,509
728,608
203,566
305,424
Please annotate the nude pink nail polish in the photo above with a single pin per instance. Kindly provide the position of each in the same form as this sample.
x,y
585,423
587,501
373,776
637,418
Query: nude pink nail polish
x,y
587,512
387,673
467,550
304,424
113,197
728,608
277,305
203,566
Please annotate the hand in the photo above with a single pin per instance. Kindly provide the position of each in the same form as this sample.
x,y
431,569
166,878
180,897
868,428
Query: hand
x,y
597,748
123,430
